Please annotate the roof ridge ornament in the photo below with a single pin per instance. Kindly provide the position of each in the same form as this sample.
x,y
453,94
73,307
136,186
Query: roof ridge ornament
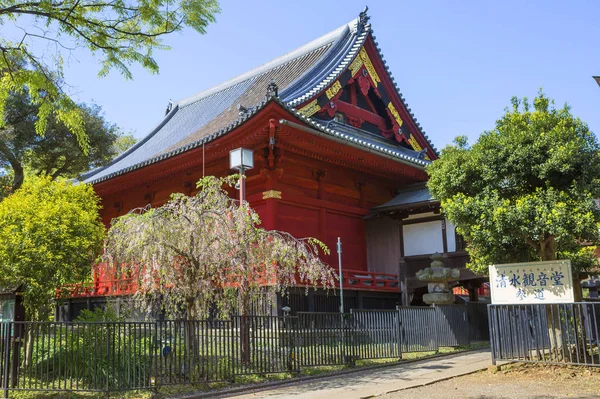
x,y
363,19
169,107
272,89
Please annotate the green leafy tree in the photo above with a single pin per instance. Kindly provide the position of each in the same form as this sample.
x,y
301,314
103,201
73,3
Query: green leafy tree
x,y
50,232
124,142
525,190
57,153
121,33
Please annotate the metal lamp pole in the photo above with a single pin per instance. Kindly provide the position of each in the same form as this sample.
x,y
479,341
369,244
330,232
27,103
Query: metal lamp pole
x,y
242,159
342,337
339,251
242,185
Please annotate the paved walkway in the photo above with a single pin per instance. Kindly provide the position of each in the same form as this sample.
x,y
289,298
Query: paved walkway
x,y
376,382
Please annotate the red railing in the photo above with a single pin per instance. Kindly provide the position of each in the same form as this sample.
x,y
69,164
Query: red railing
x,y
98,288
369,281
483,290
105,283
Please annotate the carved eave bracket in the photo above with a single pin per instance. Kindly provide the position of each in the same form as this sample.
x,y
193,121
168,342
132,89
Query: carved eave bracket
x,y
149,197
319,175
189,187
118,206
360,187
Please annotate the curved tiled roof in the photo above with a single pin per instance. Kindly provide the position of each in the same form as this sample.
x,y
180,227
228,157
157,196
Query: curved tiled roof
x,y
299,75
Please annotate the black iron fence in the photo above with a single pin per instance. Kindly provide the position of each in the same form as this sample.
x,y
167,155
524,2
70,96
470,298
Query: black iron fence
x,y
120,356
553,333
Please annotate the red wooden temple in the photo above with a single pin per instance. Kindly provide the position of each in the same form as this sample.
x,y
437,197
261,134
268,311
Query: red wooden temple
x,y
333,142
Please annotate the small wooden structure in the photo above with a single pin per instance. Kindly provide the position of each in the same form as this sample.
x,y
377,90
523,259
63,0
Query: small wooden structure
x,y
11,305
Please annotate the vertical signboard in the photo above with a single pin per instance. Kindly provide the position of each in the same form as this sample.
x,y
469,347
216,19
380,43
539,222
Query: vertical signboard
x,y
532,282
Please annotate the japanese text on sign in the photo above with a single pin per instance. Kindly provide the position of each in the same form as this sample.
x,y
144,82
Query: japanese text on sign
x,y
532,282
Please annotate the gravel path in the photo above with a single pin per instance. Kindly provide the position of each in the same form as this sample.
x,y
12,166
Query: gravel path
x,y
518,381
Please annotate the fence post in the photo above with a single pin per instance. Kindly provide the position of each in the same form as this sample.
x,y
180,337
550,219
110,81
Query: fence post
x,y
155,349
16,351
399,333
436,317
467,323
288,340
6,368
490,324
107,360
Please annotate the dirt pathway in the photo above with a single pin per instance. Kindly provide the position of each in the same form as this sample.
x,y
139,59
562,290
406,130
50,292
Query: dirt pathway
x,y
518,381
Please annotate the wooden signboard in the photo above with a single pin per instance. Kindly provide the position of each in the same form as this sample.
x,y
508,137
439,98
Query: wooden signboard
x,y
532,282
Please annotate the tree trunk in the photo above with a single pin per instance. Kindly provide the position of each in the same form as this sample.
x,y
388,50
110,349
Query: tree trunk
x,y
191,337
547,253
548,248
29,348
15,164
245,329
555,332
577,292
19,177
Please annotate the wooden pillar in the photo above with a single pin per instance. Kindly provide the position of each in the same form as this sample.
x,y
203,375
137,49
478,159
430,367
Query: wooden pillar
x,y
403,277
473,294
444,237
19,310
403,269
401,235
269,220
271,197
320,175
70,310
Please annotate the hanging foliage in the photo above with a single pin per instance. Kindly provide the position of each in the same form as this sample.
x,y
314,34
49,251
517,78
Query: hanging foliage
x,y
207,252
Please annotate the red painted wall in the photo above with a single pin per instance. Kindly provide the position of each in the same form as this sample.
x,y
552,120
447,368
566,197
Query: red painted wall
x,y
326,188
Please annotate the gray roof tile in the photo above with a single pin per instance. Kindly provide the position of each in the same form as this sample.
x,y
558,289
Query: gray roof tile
x,y
299,75
411,195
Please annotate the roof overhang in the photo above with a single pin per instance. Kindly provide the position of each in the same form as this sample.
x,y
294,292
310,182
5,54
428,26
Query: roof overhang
x,y
303,123
383,151
410,199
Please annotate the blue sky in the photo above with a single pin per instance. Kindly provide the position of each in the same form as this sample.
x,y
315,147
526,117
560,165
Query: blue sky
x,y
457,63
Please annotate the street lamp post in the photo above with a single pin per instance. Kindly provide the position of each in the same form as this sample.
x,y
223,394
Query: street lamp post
x,y
241,159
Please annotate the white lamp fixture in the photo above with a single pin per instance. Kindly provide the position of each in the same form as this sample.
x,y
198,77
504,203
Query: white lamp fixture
x,y
241,159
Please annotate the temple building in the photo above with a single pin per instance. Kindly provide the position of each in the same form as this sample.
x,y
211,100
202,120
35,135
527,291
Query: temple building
x,y
337,153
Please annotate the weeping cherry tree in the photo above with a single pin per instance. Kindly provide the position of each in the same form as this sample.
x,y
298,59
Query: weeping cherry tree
x,y
204,252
